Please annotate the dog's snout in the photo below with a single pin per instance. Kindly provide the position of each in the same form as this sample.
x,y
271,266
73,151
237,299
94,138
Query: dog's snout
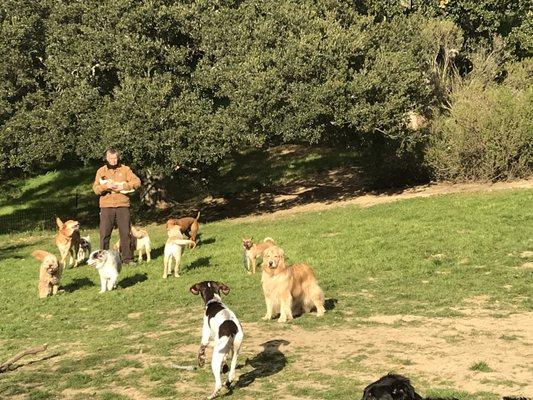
x,y
270,263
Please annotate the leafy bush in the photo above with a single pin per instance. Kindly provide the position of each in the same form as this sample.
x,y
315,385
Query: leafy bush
x,y
488,132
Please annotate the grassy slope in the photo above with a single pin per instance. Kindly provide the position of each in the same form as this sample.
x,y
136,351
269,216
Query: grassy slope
x,y
442,241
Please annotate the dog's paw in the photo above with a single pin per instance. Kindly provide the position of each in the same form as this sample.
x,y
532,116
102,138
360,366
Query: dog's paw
x,y
267,318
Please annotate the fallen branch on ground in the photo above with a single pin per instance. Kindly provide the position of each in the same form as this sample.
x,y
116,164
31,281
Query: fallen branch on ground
x,y
32,350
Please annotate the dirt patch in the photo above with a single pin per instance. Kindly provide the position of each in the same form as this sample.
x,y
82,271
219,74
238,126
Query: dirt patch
x,y
371,199
435,352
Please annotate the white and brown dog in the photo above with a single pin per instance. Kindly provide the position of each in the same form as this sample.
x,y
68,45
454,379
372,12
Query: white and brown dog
x,y
109,264
252,251
85,249
173,250
222,324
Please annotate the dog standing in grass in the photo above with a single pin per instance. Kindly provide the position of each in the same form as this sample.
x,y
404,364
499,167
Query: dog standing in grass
x,y
49,273
221,324
109,264
68,241
85,248
140,241
189,226
289,288
252,251
173,251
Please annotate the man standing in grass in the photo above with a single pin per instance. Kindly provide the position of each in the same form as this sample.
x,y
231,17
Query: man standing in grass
x,y
112,183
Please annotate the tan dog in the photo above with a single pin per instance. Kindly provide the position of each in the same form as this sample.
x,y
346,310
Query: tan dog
x,y
252,251
289,288
49,273
68,241
173,250
140,242
189,226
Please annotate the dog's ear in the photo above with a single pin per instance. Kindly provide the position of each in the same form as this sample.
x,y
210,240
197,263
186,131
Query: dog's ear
x,y
40,254
223,288
195,289
59,222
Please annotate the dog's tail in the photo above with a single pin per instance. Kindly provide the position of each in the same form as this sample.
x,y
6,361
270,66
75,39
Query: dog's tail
x,y
185,242
269,239
198,216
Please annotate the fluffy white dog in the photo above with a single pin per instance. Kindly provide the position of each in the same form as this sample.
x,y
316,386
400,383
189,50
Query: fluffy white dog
x,y
108,264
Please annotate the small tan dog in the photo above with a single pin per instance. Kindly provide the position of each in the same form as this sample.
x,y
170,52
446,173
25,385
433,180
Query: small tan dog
x,y
140,242
252,251
49,273
68,241
173,250
289,289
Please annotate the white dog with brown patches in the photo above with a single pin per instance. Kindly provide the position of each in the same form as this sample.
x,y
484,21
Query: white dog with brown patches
x,y
109,264
221,324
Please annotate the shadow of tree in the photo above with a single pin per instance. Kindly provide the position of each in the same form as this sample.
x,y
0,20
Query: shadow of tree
x,y
269,362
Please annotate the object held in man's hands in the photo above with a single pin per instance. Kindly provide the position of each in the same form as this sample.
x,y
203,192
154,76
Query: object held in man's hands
x,y
104,181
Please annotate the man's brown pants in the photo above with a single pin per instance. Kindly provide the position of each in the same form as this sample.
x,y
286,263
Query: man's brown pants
x,y
108,217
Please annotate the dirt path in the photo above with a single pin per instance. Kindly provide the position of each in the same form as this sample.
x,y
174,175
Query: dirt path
x,y
433,352
368,200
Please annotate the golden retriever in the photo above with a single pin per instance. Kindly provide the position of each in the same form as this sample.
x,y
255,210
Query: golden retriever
x,y
289,289
49,273
68,241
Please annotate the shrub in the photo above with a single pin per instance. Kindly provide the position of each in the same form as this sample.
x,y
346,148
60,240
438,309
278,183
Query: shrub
x,y
487,133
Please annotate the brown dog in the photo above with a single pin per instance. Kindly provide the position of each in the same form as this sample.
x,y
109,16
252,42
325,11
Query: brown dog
x,y
49,273
252,251
68,241
289,288
188,226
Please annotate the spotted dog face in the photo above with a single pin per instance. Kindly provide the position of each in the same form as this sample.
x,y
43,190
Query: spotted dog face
x,y
209,290
391,387
97,258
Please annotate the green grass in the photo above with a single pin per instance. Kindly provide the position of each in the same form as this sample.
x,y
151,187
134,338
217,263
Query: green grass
x,y
104,345
481,366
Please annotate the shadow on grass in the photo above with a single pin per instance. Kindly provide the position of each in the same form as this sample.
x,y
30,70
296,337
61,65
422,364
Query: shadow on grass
x,y
199,263
132,280
157,252
77,284
207,241
269,362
